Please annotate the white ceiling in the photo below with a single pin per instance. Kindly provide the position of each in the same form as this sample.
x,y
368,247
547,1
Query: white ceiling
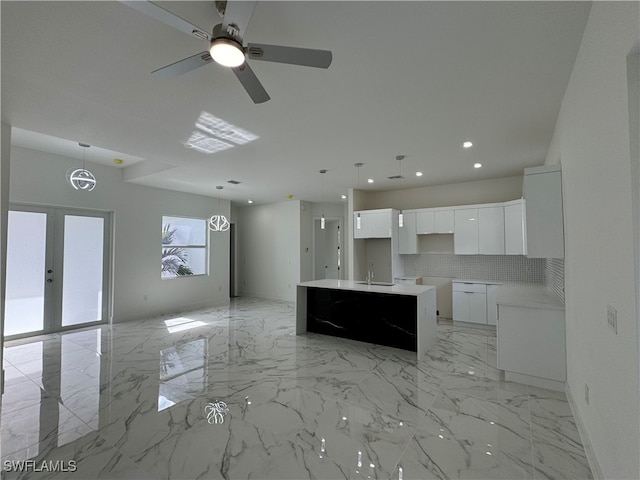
x,y
407,78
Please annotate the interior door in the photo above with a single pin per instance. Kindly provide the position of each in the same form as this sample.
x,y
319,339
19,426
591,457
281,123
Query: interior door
x,y
327,254
57,269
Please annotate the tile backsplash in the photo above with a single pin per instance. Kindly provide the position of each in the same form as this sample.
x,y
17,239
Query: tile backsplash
x,y
498,268
554,276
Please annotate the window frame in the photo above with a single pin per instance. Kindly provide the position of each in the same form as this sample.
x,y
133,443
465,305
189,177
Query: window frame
x,y
205,247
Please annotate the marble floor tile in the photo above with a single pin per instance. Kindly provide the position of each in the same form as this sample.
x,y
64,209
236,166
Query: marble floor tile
x,y
231,392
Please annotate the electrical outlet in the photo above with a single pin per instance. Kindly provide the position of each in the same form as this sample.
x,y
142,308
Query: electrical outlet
x,y
612,319
586,393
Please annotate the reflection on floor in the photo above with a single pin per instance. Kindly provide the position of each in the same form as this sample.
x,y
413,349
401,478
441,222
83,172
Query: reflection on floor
x,y
145,400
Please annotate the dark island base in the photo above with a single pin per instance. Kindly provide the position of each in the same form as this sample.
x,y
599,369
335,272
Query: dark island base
x,y
388,320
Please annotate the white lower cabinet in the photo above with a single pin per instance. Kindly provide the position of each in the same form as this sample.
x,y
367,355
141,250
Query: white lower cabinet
x,y
492,305
475,302
531,343
469,302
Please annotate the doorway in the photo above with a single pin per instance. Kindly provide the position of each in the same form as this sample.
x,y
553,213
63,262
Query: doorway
x,y
327,251
57,269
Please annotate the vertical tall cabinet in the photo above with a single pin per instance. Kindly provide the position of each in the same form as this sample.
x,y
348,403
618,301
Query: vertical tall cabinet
x,y
543,200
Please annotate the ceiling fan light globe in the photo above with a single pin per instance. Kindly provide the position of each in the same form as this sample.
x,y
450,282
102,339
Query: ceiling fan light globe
x,y
227,52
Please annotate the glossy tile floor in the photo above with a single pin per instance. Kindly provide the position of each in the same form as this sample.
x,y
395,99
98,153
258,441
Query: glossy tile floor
x,y
143,400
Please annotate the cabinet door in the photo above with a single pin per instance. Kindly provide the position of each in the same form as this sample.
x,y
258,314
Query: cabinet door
x,y
492,306
380,224
444,221
545,230
407,237
514,239
364,231
491,230
425,222
478,308
460,306
465,240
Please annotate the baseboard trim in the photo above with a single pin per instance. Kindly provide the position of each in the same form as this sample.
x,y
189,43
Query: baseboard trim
x,y
596,471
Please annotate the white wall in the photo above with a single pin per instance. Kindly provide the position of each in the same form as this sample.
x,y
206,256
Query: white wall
x,y
5,160
40,178
269,249
467,193
592,142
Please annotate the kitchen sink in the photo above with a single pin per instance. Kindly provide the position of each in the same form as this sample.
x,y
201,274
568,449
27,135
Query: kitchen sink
x,y
379,284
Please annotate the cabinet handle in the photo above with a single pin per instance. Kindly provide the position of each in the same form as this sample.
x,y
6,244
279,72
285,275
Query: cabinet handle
x,y
468,292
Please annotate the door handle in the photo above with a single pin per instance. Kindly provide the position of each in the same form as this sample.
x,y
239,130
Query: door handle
x,y
49,280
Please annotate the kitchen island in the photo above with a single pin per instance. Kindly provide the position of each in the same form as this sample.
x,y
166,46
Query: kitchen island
x,y
395,315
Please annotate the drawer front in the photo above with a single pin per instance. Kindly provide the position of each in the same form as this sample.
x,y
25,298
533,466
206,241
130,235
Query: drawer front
x,y
469,287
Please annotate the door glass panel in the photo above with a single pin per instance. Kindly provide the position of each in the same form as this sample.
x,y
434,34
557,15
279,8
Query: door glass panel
x,y
25,284
83,270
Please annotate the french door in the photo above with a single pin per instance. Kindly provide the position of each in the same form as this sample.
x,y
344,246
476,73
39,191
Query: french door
x,y
57,269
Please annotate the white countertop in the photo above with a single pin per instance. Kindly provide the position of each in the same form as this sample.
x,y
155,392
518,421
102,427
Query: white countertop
x,y
398,289
527,295
484,282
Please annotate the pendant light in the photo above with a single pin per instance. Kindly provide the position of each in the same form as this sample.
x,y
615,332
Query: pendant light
x,y
358,219
81,178
400,215
322,220
219,223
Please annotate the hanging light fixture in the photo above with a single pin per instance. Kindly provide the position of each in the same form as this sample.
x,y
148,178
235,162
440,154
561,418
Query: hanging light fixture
x,y
219,223
81,178
358,219
400,215
322,220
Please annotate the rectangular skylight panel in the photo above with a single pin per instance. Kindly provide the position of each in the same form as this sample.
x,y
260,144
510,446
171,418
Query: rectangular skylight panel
x,y
222,129
205,144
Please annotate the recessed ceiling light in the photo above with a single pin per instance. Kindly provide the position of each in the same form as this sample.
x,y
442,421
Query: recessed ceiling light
x,y
467,144
344,197
249,201
477,165
118,161
418,174
370,180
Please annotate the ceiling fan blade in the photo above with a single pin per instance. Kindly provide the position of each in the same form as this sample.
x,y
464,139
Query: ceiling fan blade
x,y
183,66
168,18
293,55
238,13
251,83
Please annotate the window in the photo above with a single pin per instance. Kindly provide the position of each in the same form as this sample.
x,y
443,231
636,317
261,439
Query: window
x,y
184,246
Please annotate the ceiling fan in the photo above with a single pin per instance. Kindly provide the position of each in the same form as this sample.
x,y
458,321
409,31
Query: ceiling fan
x,y
226,45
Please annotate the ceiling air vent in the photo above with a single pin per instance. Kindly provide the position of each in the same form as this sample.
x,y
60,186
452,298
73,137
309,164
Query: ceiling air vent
x,y
395,177
234,182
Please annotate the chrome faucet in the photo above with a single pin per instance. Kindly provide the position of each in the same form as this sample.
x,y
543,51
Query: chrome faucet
x,y
370,273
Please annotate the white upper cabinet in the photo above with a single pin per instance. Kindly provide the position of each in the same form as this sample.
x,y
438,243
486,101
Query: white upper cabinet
x,y
465,240
425,222
444,221
407,237
543,203
372,224
514,228
491,230
381,224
